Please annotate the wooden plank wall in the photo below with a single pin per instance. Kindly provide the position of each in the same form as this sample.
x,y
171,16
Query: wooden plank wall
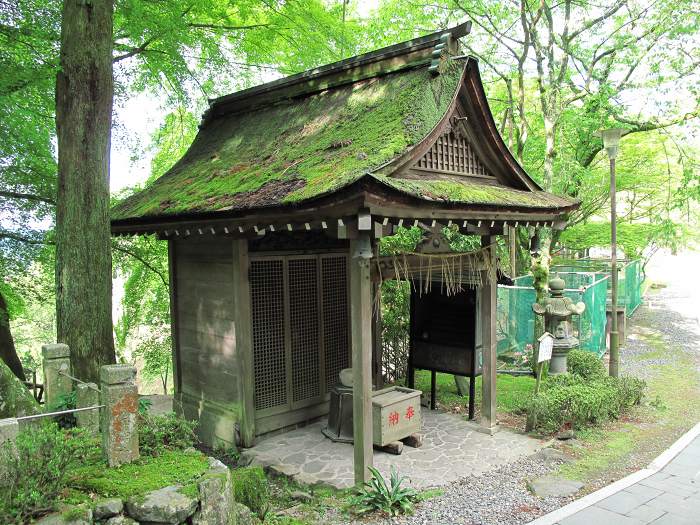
x,y
207,361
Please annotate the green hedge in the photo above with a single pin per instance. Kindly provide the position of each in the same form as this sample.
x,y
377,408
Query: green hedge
x,y
584,396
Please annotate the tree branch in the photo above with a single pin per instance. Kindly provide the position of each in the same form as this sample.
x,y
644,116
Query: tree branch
x,y
144,262
22,238
26,196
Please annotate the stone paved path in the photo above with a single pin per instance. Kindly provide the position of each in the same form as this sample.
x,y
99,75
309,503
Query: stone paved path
x,y
452,449
669,497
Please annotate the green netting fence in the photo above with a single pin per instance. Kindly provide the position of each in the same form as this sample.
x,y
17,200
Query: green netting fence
x,y
586,281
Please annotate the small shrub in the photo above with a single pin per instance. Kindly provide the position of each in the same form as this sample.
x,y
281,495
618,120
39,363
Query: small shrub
x,y
33,472
390,498
576,401
64,402
630,390
251,488
584,364
158,433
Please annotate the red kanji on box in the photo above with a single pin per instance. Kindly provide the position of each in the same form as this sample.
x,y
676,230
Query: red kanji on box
x,y
410,413
394,418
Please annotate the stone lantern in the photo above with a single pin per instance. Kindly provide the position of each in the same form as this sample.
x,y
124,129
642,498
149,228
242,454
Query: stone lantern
x,y
557,311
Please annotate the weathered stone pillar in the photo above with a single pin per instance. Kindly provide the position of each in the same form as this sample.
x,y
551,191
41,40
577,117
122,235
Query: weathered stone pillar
x,y
56,359
119,395
87,395
9,428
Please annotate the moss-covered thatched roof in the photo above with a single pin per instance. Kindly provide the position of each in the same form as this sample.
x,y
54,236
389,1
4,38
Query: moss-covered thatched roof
x,y
263,151
299,149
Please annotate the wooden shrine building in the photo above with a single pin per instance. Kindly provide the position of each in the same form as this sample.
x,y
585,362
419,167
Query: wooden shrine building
x,y
272,219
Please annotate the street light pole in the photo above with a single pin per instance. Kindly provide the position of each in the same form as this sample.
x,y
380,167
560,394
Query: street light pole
x,y
614,334
611,142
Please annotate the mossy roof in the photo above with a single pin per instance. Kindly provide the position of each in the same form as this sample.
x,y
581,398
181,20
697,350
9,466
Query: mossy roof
x,y
301,148
468,192
298,148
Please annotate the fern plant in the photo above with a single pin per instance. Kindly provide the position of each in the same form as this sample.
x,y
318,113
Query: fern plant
x,y
390,498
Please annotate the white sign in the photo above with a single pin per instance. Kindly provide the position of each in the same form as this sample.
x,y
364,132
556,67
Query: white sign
x,y
545,347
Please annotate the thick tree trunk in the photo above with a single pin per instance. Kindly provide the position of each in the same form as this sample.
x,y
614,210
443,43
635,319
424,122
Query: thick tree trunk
x,y
84,92
8,353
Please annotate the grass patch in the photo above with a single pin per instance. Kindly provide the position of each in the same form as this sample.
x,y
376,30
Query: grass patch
x,y
144,475
511,391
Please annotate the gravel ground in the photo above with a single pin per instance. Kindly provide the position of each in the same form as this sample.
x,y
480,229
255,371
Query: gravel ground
x,y
499,497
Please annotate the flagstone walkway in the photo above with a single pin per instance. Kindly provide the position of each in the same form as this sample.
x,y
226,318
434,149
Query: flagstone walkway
x,y
451,450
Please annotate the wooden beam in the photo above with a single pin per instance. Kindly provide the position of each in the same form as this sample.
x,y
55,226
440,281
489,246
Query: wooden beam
x,y
488,327
174,325
244,339
361,337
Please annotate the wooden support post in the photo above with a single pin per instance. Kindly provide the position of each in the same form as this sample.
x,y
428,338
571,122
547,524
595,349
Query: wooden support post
x,y
472,395
488,327
433,387
361,335
174,324
377,348
244,339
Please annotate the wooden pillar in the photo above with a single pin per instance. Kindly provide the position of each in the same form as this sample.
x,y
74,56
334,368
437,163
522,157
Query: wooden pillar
x,y
377,349
488,327
361,336
174,325
244,340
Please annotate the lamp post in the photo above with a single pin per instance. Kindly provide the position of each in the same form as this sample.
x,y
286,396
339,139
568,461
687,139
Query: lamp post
x,y
611,142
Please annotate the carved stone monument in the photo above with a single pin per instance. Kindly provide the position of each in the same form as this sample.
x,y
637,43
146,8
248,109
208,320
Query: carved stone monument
x,y
557,312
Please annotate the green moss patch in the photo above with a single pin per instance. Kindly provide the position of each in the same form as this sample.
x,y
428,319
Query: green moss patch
x,y
144,475
466,192
300,148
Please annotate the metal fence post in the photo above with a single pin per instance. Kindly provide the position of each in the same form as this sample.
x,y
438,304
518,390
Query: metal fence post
x,y
56,362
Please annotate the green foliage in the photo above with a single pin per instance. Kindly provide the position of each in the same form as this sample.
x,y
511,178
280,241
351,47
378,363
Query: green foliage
x,y
390,498
251,488
172,467
34,472
144,405
65,402
161,433
572,400
633,238
584,364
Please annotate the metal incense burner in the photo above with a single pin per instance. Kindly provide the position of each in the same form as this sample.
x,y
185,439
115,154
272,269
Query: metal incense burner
x,y
557,311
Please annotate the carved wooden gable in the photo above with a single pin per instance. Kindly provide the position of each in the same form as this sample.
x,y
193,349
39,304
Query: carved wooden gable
x,y
453,154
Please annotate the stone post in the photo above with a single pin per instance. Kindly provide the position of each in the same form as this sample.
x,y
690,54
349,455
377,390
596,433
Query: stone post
x,y
87,395
119,395
9,428
56,358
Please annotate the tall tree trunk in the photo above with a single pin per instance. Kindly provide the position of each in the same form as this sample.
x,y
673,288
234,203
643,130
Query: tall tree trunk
x,y
84,92
8,353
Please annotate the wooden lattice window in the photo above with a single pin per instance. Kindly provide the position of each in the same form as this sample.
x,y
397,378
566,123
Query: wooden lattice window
x,y
300,317
335,317
267,293
452,153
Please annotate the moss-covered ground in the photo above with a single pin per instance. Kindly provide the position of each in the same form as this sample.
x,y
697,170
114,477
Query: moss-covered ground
x,y
93,480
